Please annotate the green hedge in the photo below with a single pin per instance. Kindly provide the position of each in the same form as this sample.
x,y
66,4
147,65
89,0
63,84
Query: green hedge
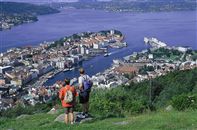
x,y
185,101
178,88
19,110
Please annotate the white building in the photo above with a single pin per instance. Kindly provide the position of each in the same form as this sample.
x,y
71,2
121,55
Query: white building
x,y
60,64
96,46
82,50
150,56
112,32
182,49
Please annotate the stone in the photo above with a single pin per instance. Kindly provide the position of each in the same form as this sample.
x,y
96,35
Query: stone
x,y
85,120
169,108
61,117
53,111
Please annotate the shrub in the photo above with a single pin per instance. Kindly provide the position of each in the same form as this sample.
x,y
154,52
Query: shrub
x,y
19,110
116,102
102,104
185,101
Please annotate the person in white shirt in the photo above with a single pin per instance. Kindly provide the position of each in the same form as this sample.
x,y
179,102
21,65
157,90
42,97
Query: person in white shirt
x,y
84,94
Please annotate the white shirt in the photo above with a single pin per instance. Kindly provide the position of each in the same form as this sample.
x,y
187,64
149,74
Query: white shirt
x,y
82,78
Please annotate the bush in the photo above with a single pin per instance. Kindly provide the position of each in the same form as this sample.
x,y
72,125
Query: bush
x,y
102,104
19,110
185,101
116,102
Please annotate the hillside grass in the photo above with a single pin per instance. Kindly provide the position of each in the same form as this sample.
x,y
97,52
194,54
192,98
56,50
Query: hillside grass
x,y
173,120
133,102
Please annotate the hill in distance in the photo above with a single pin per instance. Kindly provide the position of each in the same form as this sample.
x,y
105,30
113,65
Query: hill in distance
x,y
25,8
14,13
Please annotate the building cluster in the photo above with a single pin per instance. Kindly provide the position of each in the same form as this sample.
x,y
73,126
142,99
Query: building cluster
x,y
8,21
22,66
42,94
147,64
108,79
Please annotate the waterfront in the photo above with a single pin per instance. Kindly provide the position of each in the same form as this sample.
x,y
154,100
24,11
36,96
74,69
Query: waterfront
x,y
178,29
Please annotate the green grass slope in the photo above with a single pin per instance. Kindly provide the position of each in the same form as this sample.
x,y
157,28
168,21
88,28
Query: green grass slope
x,y
153,121
141,111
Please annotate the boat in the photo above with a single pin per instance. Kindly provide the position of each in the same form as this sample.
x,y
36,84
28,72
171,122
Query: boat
x,y
72,68
125,44
50,77
107,54
66,69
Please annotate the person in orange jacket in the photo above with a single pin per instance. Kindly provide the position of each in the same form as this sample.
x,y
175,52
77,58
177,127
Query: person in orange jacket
x,y
67,96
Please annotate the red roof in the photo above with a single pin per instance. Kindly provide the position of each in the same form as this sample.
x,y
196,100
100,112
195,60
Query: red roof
x,y
126,69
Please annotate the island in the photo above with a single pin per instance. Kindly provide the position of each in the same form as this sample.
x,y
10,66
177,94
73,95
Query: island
x,y
24,13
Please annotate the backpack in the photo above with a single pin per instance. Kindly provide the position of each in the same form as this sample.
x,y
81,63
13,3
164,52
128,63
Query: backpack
x,y
87,84
68,98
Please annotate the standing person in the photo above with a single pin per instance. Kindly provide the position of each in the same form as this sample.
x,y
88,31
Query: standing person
x,y
67,96
85,85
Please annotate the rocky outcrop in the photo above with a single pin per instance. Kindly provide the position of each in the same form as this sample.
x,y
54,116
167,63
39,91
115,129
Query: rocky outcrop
x,y
78,120
53,111
169,108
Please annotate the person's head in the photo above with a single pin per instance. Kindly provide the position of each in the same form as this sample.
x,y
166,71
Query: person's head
x,y
81,71
67,81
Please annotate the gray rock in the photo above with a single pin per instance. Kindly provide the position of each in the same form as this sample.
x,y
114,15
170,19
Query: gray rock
x,y
169,108
61,118
53,111
22,116
86,120
121,123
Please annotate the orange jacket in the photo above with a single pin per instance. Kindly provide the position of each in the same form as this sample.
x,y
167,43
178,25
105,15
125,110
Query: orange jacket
x,y
62,93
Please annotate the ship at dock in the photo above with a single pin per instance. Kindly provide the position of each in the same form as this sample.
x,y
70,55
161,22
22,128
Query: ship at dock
x,y
154,42
65,70
107,54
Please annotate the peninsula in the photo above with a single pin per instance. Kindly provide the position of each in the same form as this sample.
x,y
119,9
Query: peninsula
x,y
24,13
22,65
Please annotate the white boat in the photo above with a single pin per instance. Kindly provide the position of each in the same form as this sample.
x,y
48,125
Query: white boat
x,y
72,68
107,54
51,76
66,69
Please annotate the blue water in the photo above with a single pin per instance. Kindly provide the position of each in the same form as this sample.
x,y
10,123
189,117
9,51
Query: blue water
x,y
174,28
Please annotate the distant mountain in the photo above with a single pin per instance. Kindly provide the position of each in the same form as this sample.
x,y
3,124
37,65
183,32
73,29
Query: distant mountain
x,y
25,8
133,5
39,1
15,13
87,0
50,1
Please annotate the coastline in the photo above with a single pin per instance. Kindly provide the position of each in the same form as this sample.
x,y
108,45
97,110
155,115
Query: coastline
x,y
52,31
6,26
95,50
